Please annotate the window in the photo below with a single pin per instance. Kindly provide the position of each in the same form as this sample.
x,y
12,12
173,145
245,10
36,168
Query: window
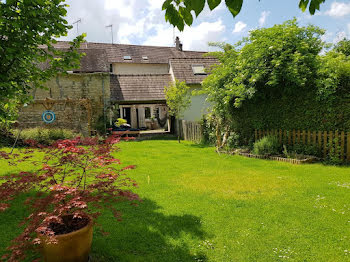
x,y
147,112
111,68
198,70
144,57
127,57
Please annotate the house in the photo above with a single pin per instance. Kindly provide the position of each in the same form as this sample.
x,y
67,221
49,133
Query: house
x,y
117,80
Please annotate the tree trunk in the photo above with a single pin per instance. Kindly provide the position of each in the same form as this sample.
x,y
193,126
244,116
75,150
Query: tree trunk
x,y
178,130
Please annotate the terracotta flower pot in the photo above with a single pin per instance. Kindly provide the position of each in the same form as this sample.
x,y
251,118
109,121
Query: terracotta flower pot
x,y
71,247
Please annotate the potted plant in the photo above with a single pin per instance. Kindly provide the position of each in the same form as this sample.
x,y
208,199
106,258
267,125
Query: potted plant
x,y
75,182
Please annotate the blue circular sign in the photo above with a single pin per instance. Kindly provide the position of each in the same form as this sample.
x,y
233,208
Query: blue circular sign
x,y
48,117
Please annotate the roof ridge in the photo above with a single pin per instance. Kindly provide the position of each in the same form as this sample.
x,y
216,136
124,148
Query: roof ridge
x,y
111,45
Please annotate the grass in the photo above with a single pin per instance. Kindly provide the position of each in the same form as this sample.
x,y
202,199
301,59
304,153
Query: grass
x,y
201,206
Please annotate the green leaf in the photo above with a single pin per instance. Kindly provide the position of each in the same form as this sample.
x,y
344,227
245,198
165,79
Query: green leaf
x,y
303,4
166,4
186,15
197,6
315,5
213,3
234,6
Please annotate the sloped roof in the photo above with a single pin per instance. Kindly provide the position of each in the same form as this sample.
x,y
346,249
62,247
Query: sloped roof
x,y
139,87
95,60
115,53
182,68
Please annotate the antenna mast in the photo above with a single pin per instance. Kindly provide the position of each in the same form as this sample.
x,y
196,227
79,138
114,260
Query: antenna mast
x,y
111,26
77,22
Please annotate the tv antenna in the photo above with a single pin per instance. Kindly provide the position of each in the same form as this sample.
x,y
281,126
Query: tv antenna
x,y
77,22
111,26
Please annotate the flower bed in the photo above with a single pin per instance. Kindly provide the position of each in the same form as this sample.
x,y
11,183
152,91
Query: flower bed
x,y
300,160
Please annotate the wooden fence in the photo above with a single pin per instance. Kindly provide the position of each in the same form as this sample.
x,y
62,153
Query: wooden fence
x,y
325,140
191,131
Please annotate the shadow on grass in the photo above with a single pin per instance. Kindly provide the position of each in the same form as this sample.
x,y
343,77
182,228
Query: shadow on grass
x,y
10,220
199,145
146,234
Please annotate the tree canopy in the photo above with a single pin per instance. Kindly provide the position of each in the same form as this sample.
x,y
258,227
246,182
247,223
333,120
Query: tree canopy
x,y
178,98
28,30
277,76
179,12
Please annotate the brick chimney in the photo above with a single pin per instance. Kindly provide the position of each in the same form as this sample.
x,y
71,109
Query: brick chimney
x,y
178,44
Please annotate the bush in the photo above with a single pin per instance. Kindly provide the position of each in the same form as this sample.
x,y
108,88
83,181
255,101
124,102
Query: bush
x,y
45,136
268,145
305,149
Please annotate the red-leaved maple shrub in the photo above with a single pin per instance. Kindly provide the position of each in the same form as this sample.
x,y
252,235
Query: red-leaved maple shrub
x,y
77,177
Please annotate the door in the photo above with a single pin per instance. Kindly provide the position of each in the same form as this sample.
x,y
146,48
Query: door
x,y
127,114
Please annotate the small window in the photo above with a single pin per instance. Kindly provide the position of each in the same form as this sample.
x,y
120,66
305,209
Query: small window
x,y
127,57
111,68
198,70
145,57
147,112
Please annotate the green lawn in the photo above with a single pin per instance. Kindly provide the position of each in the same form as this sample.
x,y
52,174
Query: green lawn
x,y
201,206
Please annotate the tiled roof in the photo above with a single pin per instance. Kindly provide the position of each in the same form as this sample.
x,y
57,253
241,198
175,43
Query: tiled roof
x,y
182,68
116,52
95,60
139,87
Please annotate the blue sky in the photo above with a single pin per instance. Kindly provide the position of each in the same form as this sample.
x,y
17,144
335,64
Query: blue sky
x,y
142,21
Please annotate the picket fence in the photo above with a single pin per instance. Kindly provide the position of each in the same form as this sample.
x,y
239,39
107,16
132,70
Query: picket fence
x,y
191,131
325,140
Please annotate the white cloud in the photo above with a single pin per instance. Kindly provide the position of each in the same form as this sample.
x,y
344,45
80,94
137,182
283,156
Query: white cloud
x,y
263,17
327,36
193,38
138,22
340,36
197,37
239,27
349,28
339,9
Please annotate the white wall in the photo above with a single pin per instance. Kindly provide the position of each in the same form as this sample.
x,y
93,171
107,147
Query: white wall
x,y
197,108
139,69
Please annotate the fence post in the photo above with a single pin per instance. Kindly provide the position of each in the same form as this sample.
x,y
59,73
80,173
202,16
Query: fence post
x,y
348,147
293,137
342,144
314,138
319,139
325,144
303,136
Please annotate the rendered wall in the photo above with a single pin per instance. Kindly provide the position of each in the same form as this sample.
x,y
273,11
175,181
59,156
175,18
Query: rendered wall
x,y
71,113
198,106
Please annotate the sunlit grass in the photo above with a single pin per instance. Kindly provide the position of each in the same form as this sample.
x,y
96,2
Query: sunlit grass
x,y
201,206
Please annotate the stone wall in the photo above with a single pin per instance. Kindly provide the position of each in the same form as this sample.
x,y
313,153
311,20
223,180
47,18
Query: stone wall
x,y
78,101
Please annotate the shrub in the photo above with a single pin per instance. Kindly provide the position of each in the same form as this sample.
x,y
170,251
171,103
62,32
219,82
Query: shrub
x,y
78,177
305,149
45,136
268,145
120,121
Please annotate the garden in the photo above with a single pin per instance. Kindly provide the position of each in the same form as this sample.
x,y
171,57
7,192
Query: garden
x,y
280,93
197,205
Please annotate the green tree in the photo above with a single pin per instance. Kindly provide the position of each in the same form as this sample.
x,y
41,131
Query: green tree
x,y
178,12
178,99
343,46
28,30
280,60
